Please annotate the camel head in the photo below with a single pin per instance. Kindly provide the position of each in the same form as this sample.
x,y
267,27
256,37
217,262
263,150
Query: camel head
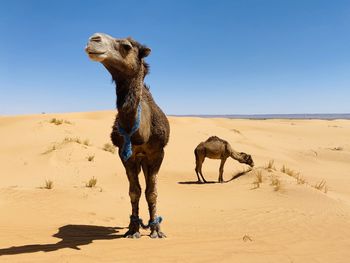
x,y
247,159
123,57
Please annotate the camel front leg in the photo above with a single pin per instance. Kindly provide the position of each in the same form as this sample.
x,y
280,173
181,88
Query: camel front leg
x,y
199,172
132,172
150,169
221,170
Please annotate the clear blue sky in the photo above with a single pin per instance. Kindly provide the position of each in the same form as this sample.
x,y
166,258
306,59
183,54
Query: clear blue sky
x,y
208,57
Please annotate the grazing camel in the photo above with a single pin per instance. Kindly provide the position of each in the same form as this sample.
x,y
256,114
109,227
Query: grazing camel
x,y
216,148
141,130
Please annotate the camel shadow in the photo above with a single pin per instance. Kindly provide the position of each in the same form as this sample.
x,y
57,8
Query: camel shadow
x,y
72,236
196,182
216,182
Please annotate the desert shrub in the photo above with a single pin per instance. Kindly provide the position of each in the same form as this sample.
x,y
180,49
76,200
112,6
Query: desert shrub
x,y
92,182
270,165
300,179
321,186
289,172
109,148
72,139
48,184
59,121
276,183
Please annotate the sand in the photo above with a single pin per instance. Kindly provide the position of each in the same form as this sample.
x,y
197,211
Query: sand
x,y
237,221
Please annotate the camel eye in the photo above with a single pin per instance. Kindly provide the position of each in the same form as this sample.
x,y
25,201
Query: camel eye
x,y
126,46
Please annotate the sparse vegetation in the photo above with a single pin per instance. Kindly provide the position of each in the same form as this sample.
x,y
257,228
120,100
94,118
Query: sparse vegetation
x,y
236,131
247,238
109,148
276,183
258,179
91,158
300,179
321,186
92,182
48,184
337,148
59,121
270,165
72,139
289,172
66,140
258,176
51,149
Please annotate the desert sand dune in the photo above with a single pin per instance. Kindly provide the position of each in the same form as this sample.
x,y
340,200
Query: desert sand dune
x,y
237,221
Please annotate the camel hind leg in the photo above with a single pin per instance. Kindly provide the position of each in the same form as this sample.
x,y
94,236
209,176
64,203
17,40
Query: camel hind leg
x,y
199,163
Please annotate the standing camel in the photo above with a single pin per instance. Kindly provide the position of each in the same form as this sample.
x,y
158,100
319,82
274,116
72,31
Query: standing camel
x,y
141,130
216,148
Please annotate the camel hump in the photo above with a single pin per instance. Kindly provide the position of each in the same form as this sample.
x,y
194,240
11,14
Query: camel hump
x,y
216,138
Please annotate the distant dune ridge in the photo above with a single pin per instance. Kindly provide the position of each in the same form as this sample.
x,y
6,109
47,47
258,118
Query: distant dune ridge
x,y
309,116
64,193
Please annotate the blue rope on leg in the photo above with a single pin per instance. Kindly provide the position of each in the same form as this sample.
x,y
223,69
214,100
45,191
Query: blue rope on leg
x,y
156,221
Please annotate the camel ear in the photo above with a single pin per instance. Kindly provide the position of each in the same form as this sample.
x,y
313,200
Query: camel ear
x,y
144,52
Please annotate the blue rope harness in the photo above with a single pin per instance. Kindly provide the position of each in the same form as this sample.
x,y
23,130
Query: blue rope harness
x,y
127,149
138,220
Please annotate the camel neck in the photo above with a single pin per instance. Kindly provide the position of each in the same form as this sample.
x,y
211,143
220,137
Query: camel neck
x,y
129,91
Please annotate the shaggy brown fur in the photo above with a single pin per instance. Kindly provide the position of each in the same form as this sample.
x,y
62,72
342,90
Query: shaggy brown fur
x,y
124,59
216,148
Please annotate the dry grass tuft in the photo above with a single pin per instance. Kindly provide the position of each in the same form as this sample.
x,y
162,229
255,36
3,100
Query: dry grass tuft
x,y
59,121
72,139
91,158
321,186
289,172
51,149
109,148
236,131
256,185
48,184
337,148
300,179
258,176
258,179
276,183
284,169
66,140
294,174
92,182
247,238
271,165
325,189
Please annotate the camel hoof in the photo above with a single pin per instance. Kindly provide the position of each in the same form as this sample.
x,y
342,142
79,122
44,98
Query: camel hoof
x,y
157,234
132,235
